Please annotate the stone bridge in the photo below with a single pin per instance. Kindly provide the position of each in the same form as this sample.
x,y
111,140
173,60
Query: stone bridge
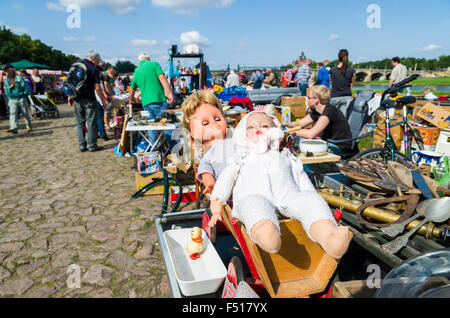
x,y
366,75
362,75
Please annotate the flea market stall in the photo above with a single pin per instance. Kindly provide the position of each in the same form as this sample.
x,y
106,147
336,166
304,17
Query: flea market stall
x,y
395,201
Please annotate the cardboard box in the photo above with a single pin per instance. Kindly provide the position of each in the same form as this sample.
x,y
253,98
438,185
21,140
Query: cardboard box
x,y
397,132
293,101
175,165
283,114
143,180
436,115
147,163
297,105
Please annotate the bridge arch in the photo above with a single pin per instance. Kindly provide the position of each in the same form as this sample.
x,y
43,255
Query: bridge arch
x,y
376,76
361,76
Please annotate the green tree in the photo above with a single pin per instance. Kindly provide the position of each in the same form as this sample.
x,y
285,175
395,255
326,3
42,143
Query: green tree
x,y
125,67
14,48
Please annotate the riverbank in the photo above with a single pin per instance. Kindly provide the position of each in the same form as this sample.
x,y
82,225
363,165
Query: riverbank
x,y
416,93
420,81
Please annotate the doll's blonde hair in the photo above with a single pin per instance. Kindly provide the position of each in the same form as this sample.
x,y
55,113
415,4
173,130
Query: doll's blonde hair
x,y
196,100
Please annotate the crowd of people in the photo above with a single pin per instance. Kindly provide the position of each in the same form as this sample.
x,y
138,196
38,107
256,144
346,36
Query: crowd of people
x,y
17,85
92,105
328,98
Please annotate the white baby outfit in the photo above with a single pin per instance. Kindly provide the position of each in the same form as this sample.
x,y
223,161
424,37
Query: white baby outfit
x,y
262,179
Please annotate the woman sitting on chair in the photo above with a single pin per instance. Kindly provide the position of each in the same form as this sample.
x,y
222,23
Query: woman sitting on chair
x,y
327,120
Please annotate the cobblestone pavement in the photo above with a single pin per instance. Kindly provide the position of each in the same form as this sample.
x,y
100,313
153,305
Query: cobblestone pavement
x,y
59,207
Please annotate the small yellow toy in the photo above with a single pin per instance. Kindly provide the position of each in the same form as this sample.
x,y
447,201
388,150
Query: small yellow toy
x,y
195,244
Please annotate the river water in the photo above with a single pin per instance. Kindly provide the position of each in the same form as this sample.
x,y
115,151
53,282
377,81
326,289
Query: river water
x,y
439,88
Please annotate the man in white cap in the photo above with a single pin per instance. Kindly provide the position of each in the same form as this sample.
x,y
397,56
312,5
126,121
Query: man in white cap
x,y
155,90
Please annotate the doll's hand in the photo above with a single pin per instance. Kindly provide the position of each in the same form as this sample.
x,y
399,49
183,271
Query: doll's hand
x,y
216,210
216,217
209,182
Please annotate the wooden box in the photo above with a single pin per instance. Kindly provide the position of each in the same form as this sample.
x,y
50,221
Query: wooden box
x,y
397,132
301,268
353,289
436,115
297,106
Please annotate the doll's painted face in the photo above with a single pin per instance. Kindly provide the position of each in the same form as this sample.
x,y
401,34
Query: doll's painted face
x,y
208,124
258,124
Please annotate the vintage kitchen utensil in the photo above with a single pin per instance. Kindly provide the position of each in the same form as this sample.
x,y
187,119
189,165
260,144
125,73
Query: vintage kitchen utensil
x,y
432,185
438,211
355,169
401,174
419,181
313,146
395,229
441,232
357,176
390,186
411,200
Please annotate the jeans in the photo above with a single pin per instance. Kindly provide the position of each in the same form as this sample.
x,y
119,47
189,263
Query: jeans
x,y
14,106
86,112
4,112
302,88
100,121
6,103
40,88
155,110
341,103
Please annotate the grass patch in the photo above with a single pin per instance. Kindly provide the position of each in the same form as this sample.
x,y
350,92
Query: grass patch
x,y
420,81
437,93
50,284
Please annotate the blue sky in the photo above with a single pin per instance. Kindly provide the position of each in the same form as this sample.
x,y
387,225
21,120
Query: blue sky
x,y
244,32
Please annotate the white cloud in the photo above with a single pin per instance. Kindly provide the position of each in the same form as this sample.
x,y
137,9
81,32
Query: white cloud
x,y
431,47
141,42
17,30
117,6
87,39
190,6
242,42
193,37
17,6
334,37
55,6
70,39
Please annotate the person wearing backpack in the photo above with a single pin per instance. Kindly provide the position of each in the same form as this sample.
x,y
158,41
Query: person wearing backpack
x,y
257,79
17,91
82,96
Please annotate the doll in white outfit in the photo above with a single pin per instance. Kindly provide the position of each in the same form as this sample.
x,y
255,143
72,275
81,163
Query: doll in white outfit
x,y
263,179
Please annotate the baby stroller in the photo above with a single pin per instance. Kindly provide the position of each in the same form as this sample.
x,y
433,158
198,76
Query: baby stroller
x,y
42,107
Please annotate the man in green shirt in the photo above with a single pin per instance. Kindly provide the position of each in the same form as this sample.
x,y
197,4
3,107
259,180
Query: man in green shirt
x,y
154,87
150,79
